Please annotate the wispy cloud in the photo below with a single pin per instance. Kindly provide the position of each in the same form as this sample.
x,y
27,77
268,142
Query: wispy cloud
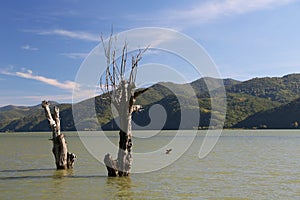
x,y
29,48
75,55
66,85
81,35
216,9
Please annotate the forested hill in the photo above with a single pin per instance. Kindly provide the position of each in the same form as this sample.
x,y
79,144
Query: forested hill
x,y
284,89
287,115
270,102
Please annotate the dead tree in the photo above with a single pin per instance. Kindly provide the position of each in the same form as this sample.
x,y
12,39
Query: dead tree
x,y
63,158
123,93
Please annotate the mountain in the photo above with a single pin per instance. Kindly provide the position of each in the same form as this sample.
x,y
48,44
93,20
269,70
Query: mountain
x,y
31,118
201,89
12,107
241,106
252,103
169,113
200,84
283,90
284,116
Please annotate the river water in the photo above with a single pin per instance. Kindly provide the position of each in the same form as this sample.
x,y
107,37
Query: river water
x,y
242,165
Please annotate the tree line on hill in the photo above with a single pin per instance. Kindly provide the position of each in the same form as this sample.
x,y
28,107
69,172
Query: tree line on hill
x,y
270,102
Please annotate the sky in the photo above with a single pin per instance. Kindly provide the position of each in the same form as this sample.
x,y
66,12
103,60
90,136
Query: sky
x,y
43,43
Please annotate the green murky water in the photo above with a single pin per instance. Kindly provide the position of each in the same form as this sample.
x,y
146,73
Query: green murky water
x,y
243,165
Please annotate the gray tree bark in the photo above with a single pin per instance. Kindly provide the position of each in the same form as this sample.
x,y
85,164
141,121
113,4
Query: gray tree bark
x,y
122,92
63,158
122,165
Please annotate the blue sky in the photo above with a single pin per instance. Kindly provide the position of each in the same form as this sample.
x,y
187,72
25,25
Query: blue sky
x,y
43,43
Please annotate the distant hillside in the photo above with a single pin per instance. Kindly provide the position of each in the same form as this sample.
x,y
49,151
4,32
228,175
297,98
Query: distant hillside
x,y
285,116
241,106
12,107
201,89
169,110
259,102
283,90
31,118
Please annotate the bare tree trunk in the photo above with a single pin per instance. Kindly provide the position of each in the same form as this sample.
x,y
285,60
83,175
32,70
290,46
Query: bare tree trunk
x,y
124,161
122,92
63,158
122,166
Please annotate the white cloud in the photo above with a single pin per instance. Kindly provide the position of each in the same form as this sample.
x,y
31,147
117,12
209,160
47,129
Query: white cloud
x,y
75,55
81,35
66,85
241,6
29,48
216,9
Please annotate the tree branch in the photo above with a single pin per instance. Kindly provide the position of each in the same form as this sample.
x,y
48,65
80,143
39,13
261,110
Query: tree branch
x,y
139,92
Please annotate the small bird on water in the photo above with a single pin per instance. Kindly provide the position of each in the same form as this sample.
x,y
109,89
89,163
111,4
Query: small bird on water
x,y
168,151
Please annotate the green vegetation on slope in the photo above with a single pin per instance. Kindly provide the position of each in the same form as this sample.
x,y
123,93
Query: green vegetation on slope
x,y
283,89
284,116
259,102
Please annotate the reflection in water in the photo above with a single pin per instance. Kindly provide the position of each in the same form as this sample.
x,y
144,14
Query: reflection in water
x,y
25,170
60,183
59,174
119,187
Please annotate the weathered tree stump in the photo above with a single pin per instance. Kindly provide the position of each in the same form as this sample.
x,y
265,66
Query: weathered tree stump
x,y
111,165
123,93
63,158
125,106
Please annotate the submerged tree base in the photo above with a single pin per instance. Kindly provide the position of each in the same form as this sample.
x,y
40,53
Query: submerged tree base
x,y
111,165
